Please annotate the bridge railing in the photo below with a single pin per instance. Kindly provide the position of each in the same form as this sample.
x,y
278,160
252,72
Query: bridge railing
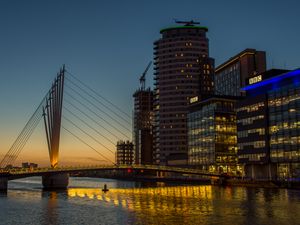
x,y
17,171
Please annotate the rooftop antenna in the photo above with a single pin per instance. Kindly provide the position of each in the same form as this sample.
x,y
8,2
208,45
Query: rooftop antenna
x,y
142,78
187,23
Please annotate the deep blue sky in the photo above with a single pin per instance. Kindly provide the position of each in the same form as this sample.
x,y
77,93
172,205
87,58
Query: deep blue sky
x,y
108,44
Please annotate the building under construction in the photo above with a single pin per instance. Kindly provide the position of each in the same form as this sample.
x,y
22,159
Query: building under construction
x,y
143,123
124,153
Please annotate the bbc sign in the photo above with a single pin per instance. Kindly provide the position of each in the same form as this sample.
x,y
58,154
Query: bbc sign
x,y
256,79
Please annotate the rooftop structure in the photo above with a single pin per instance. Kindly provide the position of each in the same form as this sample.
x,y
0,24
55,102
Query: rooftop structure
x,y
231,75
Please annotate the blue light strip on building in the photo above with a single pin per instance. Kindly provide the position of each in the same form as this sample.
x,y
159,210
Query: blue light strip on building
x,y
272,80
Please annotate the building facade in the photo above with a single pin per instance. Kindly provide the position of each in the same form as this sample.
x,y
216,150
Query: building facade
x,y
268,127
212,135
253,139
143,126
231,75
125,153
182,69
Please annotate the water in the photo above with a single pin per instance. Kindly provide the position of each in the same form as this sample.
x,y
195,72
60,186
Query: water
x,y
141,203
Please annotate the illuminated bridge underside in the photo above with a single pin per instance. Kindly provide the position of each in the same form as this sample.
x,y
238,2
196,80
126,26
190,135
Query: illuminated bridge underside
x,y
42,171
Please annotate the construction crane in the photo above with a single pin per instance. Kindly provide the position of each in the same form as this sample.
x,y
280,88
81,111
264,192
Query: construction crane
x,y
142,78
187,23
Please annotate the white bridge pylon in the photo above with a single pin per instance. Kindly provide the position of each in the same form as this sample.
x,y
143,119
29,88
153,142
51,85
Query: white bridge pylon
x,y
52,112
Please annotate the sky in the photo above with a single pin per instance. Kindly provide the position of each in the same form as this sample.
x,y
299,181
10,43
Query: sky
x,y
108,44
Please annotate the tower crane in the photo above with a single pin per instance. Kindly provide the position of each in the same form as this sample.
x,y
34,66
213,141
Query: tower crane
x,y
142,78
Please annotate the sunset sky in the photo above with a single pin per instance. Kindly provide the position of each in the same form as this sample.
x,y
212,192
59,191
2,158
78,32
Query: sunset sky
x,y
108,44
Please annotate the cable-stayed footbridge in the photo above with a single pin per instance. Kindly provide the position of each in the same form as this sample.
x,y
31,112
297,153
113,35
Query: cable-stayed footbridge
x,y
88,117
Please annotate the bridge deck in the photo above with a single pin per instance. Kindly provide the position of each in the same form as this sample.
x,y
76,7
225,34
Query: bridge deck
x,y
41,171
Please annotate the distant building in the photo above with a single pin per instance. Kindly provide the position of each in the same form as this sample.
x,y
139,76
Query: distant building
x,y
269,127
9,166
142,126
182,69
25,165
125,153
29,165
212,134
231,75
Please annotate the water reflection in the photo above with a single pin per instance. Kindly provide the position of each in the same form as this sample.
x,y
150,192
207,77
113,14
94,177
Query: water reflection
x,y
196,204
51,214
154,204
135,203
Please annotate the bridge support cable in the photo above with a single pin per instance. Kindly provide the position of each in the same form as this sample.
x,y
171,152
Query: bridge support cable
x,y
52,113
51,108
98,108
93,112
118,115
23,137
90,136
91,127
27,134
82,141
100,96
91,118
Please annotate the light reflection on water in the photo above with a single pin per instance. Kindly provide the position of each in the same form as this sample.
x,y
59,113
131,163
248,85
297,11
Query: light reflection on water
x,y
129,203
154,200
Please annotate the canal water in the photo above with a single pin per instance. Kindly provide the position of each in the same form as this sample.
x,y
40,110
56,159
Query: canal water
x,y
129,203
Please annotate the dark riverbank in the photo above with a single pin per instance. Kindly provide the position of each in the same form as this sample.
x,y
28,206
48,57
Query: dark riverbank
x,y
263,184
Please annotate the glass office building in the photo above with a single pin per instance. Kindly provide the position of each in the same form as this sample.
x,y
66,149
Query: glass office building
x,y
284,129
268,127
212,137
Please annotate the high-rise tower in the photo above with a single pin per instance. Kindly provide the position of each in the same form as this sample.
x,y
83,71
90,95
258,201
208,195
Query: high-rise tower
x,y
183,69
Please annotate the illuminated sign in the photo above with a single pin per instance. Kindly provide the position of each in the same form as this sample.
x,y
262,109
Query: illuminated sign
x,y
194,99
256,79
274,80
